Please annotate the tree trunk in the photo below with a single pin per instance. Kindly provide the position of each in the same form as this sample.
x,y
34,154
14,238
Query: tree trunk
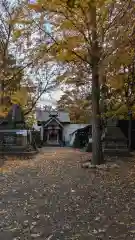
x,y
130,131
2,92
97,156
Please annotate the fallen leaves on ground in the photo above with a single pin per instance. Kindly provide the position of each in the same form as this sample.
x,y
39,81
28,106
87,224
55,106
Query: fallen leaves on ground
x,y
52,197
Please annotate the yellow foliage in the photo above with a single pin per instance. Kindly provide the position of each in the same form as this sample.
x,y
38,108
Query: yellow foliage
x,y
3,111
24,21
72,33
74,41
122,110
20,21
117,81
67,25
71,49
71,3
17,34
35,6
64,56
101,3
133,109
20,97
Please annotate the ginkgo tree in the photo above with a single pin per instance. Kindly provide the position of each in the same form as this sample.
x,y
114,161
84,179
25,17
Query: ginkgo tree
x,y
74,39
11,72
77,102
79,34
82,32
20,75
120,67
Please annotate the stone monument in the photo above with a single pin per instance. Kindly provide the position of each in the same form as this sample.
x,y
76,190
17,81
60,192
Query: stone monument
x,y
114,141
15,138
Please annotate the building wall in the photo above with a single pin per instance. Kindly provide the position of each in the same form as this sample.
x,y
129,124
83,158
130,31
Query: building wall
x,y
67,130
70,128
72,138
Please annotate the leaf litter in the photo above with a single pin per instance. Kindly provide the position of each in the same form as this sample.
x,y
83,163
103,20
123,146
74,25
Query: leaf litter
x,y
52,197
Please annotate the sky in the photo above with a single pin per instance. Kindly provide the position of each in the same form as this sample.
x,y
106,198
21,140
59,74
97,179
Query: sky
x,y
50,98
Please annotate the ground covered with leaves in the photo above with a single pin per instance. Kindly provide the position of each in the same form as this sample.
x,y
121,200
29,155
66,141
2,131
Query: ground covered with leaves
x,y
52,197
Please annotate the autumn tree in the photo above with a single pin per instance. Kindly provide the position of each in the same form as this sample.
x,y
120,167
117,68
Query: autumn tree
x,y
76,98
72,29
119,66
75,39
86,33
24,76
77,103
11,74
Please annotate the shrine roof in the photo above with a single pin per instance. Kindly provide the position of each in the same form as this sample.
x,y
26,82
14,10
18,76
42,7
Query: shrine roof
x,y
44,116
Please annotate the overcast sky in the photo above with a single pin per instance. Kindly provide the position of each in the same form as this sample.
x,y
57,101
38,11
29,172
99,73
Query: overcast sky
x,y
50,98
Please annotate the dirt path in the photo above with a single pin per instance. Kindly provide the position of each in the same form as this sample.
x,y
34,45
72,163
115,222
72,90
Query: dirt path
x,y
52,197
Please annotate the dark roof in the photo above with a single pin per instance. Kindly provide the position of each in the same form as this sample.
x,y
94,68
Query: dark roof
x,y
44,116
85,128
53,119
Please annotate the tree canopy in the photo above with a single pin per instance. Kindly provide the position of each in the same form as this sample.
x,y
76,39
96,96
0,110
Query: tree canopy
x,y
87,43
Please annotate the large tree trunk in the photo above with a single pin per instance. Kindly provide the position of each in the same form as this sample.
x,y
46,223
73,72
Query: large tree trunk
x,y
2,92
130,131
97,156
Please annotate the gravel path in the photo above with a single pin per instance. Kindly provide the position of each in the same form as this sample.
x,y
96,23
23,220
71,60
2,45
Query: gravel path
x,y
51,197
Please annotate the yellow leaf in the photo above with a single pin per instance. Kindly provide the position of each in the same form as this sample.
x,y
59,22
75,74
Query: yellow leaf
x,y
3,111
19,21
117,81
65,56
101,3
20,97
71,3
23,21
66,25
122,110
17,34
36,7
